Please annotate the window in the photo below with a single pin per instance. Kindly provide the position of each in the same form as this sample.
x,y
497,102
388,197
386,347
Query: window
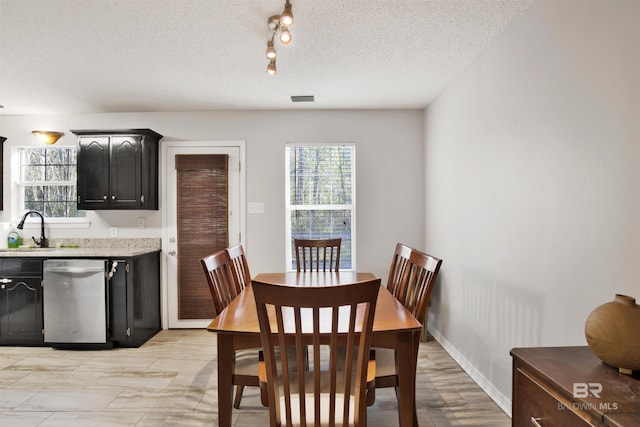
x,y
320,197
48,181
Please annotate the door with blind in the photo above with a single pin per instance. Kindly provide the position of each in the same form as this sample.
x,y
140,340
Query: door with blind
x,y
203,215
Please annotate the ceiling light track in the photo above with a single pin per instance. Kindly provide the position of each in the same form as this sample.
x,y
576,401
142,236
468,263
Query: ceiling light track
x,y
279,24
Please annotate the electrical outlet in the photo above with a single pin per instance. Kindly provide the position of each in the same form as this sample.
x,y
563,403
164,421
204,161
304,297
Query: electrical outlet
x,y
256,207
113,232
141,223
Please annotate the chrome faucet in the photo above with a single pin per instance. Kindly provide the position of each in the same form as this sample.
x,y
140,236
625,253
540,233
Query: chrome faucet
x,y
43,240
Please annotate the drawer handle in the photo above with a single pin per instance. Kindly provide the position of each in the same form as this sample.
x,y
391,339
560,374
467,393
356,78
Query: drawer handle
x,y
535,422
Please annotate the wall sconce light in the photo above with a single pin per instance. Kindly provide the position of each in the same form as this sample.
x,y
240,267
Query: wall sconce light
x,y
279,23
47,137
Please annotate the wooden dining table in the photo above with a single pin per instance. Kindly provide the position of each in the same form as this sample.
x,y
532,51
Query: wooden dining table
x,y
393,327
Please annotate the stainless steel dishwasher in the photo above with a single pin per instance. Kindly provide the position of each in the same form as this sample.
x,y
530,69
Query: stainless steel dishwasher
x,y
75,303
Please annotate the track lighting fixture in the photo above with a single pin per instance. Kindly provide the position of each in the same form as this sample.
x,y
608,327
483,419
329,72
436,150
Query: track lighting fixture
x,y
286,19
285,35
271,51
278,24
271,68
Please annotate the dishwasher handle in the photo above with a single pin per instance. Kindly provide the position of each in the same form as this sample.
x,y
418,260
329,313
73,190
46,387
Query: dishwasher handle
x,y
75,270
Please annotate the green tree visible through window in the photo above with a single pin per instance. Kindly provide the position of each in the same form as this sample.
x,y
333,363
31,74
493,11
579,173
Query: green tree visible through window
x,y
48,181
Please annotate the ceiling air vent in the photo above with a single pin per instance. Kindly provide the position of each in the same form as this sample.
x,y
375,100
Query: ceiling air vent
x,y
303,98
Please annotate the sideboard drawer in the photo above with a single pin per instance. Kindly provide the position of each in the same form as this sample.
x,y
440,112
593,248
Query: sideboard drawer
x,y
534,403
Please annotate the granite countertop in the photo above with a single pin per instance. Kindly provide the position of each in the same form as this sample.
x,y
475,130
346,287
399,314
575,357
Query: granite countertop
x,y
92,248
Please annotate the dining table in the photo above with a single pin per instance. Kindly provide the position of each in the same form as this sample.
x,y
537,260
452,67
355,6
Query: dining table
x,y
394,327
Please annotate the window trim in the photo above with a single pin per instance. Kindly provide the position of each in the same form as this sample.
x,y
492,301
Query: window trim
x,y
17,197
287,213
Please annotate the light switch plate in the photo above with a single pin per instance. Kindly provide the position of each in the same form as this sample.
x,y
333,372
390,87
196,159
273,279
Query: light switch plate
x,y
256,208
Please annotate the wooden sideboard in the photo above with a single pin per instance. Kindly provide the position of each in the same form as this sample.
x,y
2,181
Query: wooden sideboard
x,y
570,386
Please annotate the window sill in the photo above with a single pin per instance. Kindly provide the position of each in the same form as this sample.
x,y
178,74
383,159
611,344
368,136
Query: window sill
x,y
58,223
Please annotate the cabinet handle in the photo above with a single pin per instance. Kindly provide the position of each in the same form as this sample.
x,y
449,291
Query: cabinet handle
x,y
103,197
113,197
3,280
534,421
114,267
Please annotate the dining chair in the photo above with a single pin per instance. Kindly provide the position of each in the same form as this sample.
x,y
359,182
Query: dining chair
x,y
399,264
317,254
411,280
220,274
239,266
327,320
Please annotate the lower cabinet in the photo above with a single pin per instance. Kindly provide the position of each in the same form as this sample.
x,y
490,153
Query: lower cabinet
x,y
133,300
134,303
21,302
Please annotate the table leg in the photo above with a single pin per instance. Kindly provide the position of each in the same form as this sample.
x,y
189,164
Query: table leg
x,y
225,379
408,355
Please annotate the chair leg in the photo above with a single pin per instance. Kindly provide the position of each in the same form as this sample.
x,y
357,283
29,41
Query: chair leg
x,y
238,398
371,393
264,396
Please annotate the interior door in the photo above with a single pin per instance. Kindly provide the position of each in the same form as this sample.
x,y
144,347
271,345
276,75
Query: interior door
x,y
186,229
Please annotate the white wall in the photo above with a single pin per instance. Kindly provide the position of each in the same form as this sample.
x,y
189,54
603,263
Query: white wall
x,y
389,153
532,185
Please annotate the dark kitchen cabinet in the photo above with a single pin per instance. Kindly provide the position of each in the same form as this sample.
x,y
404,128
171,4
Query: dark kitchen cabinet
x,y
2,140
21,302
134,306
117,169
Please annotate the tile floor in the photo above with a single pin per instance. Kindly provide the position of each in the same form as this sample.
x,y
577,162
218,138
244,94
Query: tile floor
x,y
171,381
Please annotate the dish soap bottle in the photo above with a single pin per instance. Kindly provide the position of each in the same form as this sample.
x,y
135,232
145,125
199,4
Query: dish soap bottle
x,y
14,239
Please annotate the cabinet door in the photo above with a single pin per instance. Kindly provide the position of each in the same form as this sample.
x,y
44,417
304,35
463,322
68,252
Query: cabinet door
x,y
534,400
93,172
119,301
134,306
126,161
21,311
2,140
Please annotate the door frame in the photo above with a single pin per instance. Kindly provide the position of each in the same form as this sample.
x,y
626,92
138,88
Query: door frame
x,y
165,145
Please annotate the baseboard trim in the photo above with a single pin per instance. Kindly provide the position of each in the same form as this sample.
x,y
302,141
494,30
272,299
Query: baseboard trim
x,y
487,386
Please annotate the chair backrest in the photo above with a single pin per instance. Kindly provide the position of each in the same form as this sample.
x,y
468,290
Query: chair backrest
x,y
333,321
399,264
416,283
239,266
317,254
217,268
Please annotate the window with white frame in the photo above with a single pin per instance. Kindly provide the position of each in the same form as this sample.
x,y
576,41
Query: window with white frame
x,y
47,181
320,197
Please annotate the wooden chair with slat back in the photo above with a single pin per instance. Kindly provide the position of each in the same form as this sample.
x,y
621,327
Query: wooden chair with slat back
x,y
239,265
317,254
324,320
411,280
398,267
219,270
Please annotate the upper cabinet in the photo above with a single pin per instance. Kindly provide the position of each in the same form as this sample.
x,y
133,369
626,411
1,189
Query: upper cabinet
x,y
117,169
2,140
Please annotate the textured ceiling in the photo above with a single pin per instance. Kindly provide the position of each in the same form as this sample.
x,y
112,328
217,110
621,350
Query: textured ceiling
x,y
82,56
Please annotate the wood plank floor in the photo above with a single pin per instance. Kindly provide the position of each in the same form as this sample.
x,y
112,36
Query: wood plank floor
x,y
171,381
